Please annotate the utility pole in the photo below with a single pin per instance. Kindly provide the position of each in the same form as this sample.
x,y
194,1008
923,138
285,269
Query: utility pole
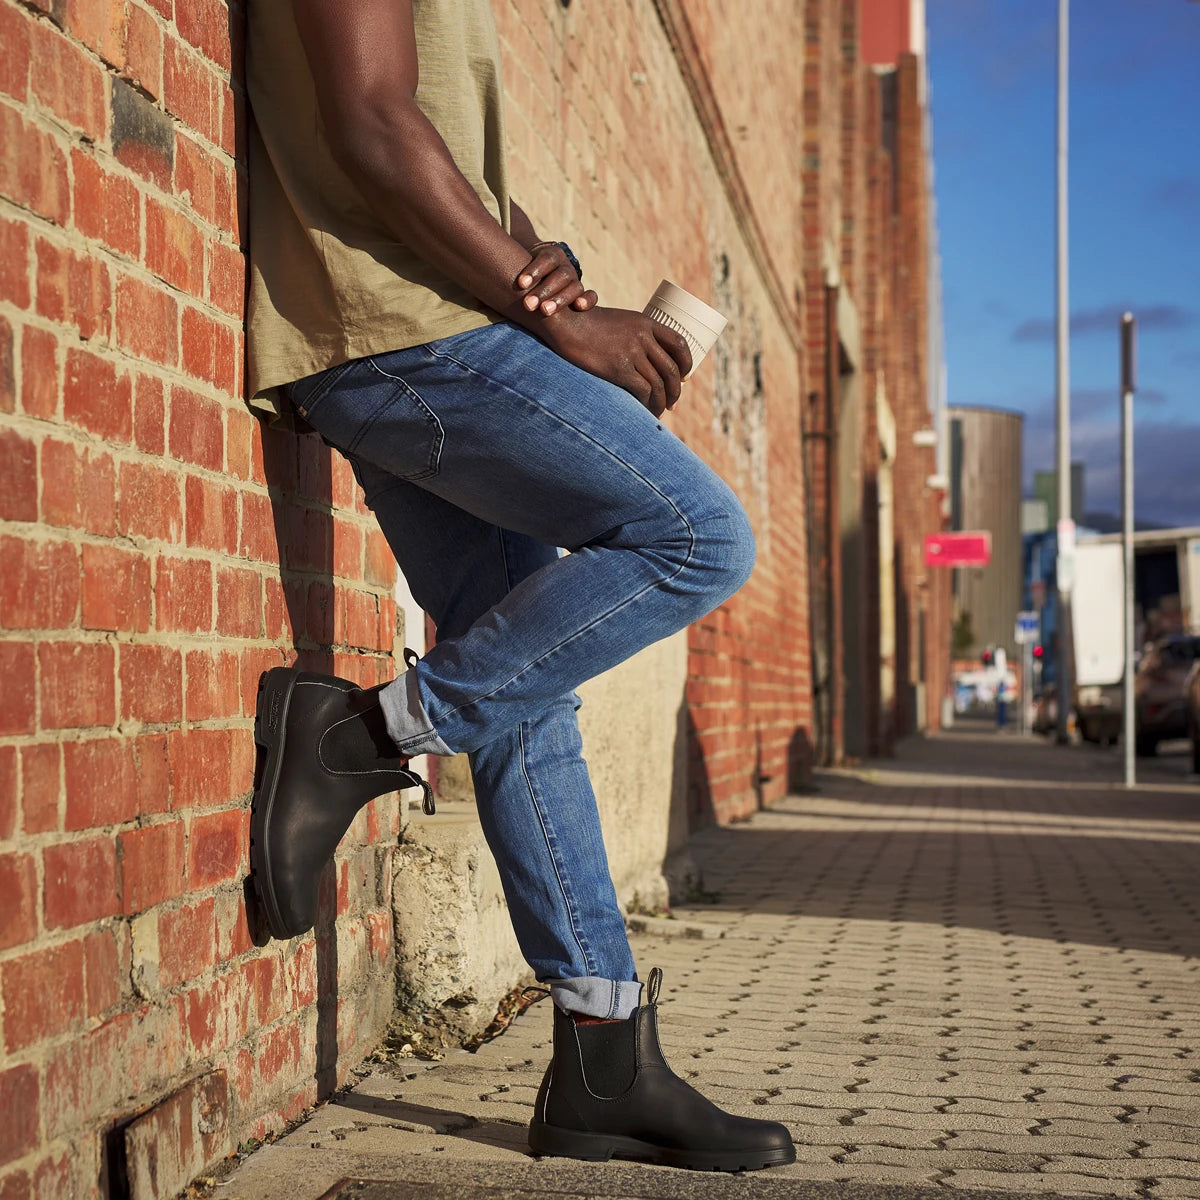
x,y
1064,574
1128,386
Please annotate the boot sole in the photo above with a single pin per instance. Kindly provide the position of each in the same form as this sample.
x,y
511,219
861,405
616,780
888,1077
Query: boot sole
x,y
270,732
551,1141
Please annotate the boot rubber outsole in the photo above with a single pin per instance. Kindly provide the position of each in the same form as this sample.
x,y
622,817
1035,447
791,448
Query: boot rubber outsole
x,y
270,732
551,1141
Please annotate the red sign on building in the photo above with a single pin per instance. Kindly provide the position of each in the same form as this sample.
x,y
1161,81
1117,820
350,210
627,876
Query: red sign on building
x,y
958,549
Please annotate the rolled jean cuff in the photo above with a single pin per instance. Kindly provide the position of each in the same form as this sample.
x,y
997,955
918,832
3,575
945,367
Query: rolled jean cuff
x,y
407,722
609,999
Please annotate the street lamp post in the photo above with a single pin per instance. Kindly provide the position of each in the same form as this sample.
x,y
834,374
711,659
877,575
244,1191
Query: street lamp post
x,y
1066,526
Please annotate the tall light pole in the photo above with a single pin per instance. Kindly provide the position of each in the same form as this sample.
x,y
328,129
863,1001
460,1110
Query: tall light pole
x,y
1066,526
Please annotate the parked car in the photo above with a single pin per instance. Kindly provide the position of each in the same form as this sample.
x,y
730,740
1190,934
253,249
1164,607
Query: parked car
x,y
1160,711
1191,700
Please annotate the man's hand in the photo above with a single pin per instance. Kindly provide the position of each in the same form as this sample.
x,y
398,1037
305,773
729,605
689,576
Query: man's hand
x,y
550,283
627,348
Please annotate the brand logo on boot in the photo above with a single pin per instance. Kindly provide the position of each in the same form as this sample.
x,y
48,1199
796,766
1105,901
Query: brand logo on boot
x,y
275,711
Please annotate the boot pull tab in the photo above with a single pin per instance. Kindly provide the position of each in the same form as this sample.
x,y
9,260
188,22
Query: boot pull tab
x,y
411,657
653,986
427,805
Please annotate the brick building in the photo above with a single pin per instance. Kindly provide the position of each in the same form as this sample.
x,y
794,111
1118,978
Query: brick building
x,y
159,548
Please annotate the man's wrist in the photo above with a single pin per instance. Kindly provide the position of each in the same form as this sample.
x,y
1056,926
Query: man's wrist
x,y
567,251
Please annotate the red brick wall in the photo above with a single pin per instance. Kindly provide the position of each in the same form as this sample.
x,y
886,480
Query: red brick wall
x,y
157,552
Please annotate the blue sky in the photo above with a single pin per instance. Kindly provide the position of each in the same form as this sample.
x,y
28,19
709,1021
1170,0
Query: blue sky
x,y
1134,223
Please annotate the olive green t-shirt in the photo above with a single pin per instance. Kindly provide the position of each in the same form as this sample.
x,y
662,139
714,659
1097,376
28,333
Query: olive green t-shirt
x,y
329,281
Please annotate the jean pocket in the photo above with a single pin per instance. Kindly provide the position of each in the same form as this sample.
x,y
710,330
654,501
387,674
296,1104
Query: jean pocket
x,y
375,416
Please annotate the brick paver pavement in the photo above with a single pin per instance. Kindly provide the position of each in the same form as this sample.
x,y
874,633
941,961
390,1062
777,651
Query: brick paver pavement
x,y
971,967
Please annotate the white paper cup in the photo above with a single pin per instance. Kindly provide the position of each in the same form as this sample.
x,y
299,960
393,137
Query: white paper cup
x,y
681,311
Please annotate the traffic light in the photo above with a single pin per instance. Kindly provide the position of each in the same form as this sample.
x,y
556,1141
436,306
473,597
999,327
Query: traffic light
x,y
1038,652
988,657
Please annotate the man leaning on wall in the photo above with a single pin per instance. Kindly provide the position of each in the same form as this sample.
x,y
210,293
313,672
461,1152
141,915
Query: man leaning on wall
x,y
404,307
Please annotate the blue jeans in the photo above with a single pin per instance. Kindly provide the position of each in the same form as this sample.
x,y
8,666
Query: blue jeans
x,y
480,454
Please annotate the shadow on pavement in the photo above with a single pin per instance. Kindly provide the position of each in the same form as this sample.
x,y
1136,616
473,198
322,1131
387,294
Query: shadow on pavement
x,y
975,831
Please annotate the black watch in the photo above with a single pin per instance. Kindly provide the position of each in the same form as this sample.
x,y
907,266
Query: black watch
x,y
571,259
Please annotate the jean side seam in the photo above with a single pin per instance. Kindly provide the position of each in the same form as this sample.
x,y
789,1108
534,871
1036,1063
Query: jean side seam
x,y
627,466
576,933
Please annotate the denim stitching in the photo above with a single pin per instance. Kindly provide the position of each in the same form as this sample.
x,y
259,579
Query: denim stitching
x,y
630,599
435,450
576,932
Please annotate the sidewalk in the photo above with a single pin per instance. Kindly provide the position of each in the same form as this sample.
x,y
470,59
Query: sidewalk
x,y
975,966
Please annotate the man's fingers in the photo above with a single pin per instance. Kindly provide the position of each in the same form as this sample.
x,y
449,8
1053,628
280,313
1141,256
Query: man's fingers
x,y
668,369
676,346
657,402
589,299
538,267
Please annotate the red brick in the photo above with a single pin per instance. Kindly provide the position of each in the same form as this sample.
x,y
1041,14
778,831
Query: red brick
x,y
183,594
10,791
233,926
143,136
277,1058
33,168
347,550
68,82
208,348
97,398
105,967
204,24
218,1013
211,515
239,602
14,52
99,24
379,936
107,206
258,540
14,238
77,684
212,689
143,51
187,942
227,278
216,848
79,1080
101,785
197,429
18,477
20,1100
149,423
39,372
147,321
150,504
18,899
43,994
152,772
41,784
151,684
77,487
239,433
201,767
268,986
204,181
174,247
164,8
116,589
74,289
39,584
152,864
80,883
17,704
190,90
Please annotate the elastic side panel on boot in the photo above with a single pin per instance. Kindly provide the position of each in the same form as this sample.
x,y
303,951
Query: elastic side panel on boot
x,y
360,742
607,1053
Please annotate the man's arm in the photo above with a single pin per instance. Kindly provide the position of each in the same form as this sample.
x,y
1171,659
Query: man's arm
x,y
407,175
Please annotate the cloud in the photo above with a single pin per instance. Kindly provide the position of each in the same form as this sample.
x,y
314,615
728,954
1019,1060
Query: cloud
x,y
1151,318
1166,486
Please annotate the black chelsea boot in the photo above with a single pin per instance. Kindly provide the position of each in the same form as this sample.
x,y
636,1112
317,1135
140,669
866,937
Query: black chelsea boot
x,y
609,1092
327,754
